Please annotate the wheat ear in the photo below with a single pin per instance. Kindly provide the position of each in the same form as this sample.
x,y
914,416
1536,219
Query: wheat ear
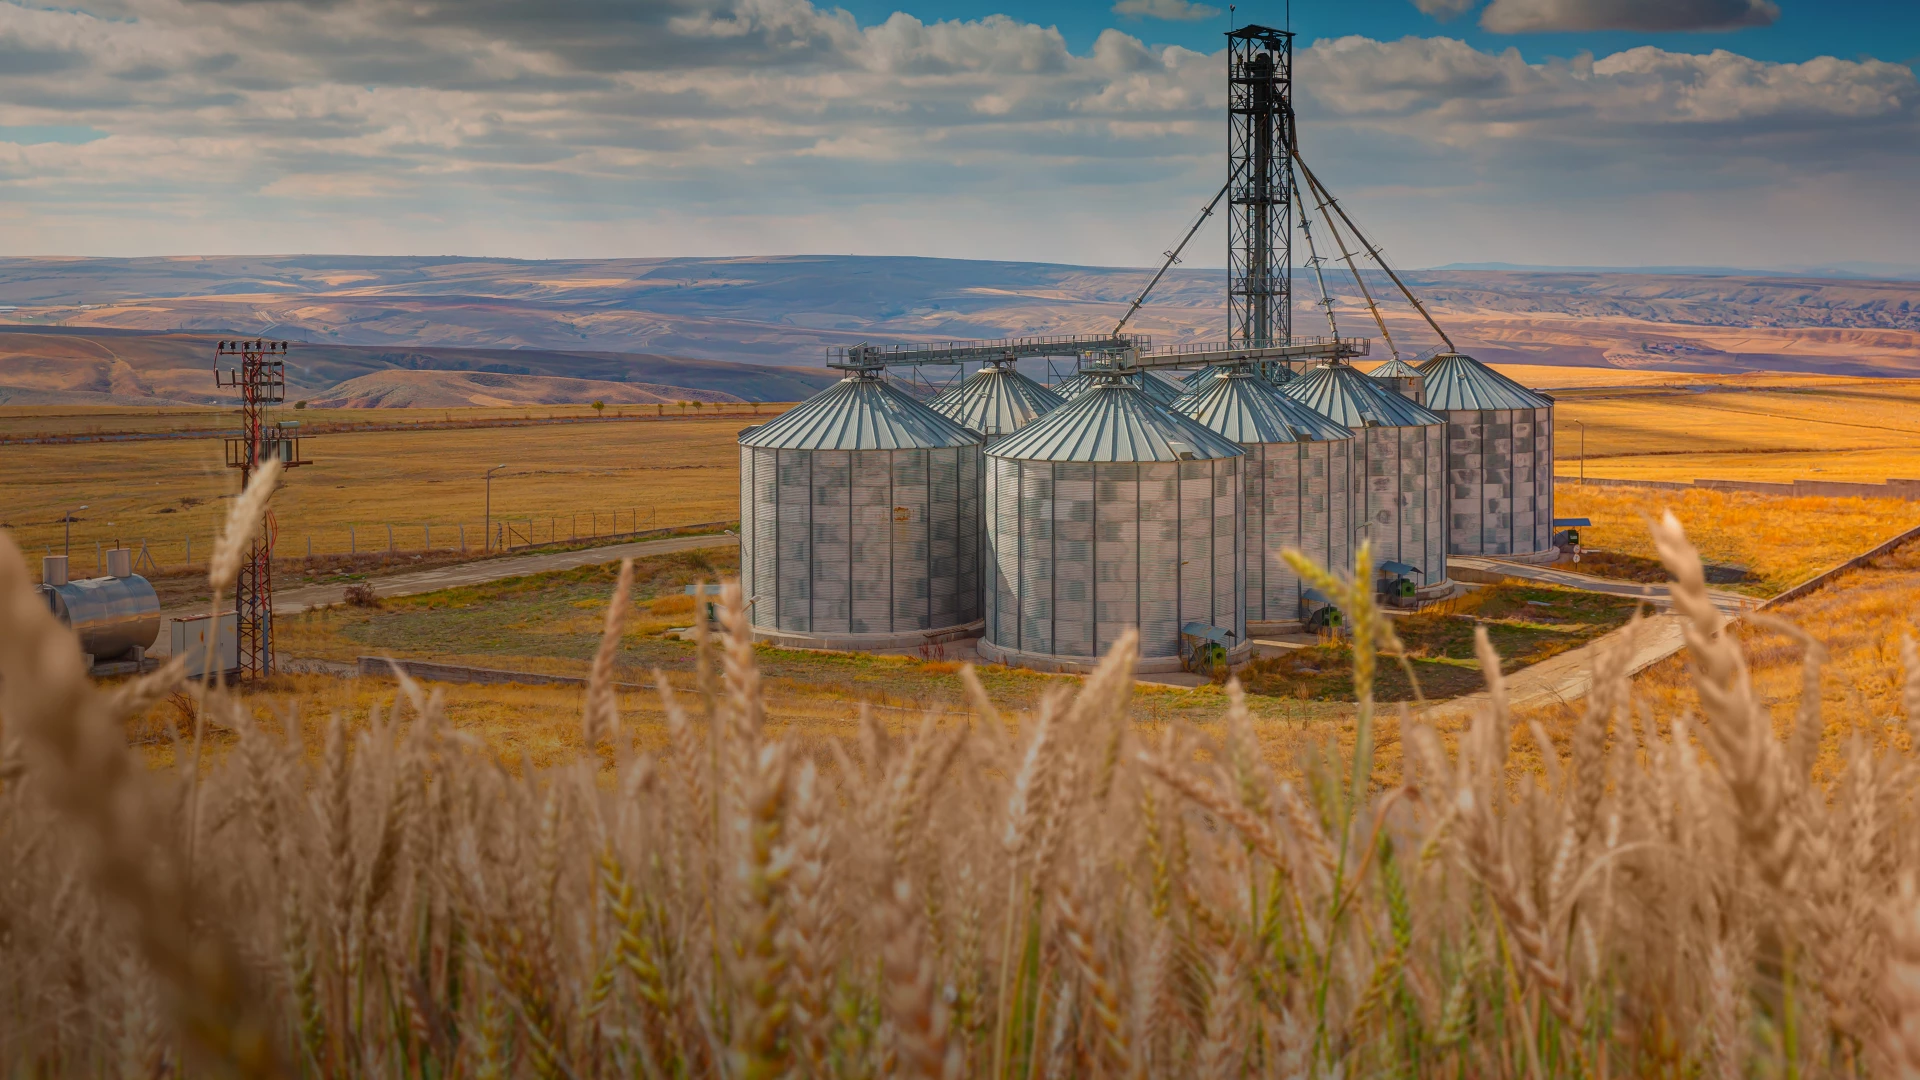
x,y
601,717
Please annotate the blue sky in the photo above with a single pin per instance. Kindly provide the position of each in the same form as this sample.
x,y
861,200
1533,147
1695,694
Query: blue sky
x,y
1775,134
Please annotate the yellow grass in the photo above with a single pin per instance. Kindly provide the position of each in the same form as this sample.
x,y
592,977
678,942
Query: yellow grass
x,y
662,473
1780,541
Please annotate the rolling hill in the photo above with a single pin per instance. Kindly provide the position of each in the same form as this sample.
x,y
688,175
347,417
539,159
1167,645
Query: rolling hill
x,y
78,365
639,320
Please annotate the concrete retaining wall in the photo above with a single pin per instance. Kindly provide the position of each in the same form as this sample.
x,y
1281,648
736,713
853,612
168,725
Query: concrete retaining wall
x,y
1819,581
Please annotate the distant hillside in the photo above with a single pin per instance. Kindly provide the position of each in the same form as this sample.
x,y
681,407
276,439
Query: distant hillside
x,y
454,389
789,310
72,365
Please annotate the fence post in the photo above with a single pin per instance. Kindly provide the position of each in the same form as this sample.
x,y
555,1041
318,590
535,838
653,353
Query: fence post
x,y
353,546
463,537
389,538
189,552
428,530
309,547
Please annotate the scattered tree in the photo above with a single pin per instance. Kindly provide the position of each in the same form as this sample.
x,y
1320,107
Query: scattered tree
x,y
599,407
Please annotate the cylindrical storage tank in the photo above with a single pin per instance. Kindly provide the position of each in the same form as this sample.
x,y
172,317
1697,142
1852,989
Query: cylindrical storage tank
x,y
860,521
1399,466
1402,377
1499,459
1297,470
1111,512
112,615
995,402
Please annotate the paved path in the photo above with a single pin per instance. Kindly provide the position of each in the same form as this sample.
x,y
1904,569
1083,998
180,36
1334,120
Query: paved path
x,y
294,601
1731,603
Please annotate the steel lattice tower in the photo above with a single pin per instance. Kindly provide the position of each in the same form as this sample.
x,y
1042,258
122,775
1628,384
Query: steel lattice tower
x,y
261,379
1259,189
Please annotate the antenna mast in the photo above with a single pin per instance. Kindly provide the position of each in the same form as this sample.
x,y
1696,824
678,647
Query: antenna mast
x,y
261,379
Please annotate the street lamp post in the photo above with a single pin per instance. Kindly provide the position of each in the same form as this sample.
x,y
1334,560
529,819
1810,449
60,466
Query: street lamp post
x,y
69,524
1583,451
488,527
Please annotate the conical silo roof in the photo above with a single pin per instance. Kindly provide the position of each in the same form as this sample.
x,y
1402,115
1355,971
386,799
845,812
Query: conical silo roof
x,y
1245,408
1341,393
1455,381
1155,387
1113,420
1196,378
1395,368
996,401
860,412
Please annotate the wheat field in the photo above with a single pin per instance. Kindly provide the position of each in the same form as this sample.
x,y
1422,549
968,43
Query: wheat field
x,y
1070,892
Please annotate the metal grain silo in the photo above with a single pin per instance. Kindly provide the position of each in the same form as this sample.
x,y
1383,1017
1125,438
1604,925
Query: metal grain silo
x,y
1399,489
1404,378
1297,471
860,521
995,402
1111,512
1499,459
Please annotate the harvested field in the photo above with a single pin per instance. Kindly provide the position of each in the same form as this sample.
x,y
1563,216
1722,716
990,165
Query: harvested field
x,y
608,476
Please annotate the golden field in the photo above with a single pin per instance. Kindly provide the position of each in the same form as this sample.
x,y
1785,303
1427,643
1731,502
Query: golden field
x,y
1779,541
664,473
1749,427
1638,425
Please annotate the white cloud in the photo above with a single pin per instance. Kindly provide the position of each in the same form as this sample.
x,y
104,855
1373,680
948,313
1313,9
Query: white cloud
x,y
1529,16
496,127
1177,10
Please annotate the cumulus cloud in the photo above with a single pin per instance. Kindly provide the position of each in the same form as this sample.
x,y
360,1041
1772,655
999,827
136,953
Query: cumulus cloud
x,y
708,126
1177,10
1533,16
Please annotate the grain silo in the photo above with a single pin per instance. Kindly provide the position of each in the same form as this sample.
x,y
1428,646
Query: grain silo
x,y
860,521
1108,513
1499,459
1297,471
1402,377
1399,467
995,402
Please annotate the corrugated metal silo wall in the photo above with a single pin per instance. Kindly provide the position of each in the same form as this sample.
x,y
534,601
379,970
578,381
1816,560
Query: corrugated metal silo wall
x,y
1078,552
1297,498
1500,481
861,542
1399,496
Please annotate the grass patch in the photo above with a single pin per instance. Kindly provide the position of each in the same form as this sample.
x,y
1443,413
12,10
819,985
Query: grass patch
x,y
1528,623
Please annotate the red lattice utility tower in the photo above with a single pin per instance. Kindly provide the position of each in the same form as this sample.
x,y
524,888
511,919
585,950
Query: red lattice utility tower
x,y
261,379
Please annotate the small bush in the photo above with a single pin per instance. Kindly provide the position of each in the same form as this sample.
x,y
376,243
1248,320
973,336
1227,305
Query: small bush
x,y
360,596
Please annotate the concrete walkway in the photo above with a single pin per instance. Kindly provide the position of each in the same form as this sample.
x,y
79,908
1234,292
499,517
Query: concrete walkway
x,y
1475,568
1569,676
294,601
